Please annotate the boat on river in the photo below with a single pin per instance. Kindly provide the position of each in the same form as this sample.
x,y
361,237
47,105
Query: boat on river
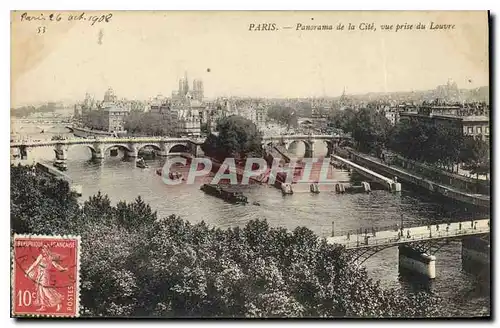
x,y
175,176
229,196
141,164
60,165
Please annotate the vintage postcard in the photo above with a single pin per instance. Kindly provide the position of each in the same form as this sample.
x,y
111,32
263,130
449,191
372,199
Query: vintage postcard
x,y
250,164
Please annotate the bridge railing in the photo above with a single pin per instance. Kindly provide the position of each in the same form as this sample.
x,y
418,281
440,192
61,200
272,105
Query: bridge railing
x,y
358,241
393,227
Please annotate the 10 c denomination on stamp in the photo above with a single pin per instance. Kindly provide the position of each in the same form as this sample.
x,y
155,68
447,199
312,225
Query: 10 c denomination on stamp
x,y
45,276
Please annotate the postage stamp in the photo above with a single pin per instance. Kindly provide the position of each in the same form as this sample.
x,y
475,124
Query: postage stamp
x,y
45,276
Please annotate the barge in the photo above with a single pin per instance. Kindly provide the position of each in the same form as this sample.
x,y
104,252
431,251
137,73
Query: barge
x,y
229,196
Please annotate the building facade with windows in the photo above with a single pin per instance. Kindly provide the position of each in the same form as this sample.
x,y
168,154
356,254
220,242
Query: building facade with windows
x,y
114,117
476,126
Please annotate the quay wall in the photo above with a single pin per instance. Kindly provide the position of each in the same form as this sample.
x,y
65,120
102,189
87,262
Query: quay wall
x,y
85,133
47,169
391,171
475,186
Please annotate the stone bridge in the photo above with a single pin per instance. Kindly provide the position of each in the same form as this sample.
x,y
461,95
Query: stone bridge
x,y
163,145
309,140
99,147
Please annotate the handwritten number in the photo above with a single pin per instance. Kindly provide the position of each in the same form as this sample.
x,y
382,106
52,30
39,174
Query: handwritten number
x,y
41,30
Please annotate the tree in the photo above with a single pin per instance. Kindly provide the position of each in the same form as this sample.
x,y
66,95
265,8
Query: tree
x,y
283,115
431,143
475,153
95,119
342,119
237,137
370,130
139,123
26,111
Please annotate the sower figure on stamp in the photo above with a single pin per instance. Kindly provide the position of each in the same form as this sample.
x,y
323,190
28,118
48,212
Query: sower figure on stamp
x,y
46,295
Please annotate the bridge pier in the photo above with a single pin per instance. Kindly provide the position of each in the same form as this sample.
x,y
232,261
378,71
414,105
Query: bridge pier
x,y
24,153
475,254
195,149
415,261
309,153
164,149
330,149
61,152
395,186
133,150
98,153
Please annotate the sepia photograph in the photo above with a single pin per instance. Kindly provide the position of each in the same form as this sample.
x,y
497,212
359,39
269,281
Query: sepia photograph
x,y
250,164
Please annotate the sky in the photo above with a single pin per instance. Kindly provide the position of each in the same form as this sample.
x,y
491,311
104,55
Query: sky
x,y
142,54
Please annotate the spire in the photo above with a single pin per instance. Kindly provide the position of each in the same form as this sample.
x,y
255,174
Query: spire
x,y
186,83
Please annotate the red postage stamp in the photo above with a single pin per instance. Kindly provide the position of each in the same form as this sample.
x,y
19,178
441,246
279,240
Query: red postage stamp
x,y
45,276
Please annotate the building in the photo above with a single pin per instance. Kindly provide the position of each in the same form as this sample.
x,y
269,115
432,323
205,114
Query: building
x,y
109,96
189,127
114,117
392,115
185,111
88,104
197,93
114,112
477,126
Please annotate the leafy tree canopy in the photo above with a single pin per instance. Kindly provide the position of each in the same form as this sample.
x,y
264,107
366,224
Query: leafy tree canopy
x,y
283,115
149,124
236,137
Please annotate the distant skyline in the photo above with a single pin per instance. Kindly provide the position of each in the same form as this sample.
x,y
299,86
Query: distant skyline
x,y
142,54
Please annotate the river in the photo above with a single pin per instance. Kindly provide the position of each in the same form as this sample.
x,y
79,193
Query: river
x,y
461,293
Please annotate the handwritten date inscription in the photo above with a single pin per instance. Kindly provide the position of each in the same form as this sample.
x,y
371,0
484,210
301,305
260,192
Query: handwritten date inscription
x,y
49,18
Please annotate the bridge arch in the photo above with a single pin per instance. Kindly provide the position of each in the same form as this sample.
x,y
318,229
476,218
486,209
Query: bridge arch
x,y
431,247
75,147
123,147
308,147
151,145
179,148
323,147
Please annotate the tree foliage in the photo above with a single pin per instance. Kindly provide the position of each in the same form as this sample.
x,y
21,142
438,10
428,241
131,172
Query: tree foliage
x,y
95,119
370,129
134,264
237,137
25,111
431,143
475,154
139,123
342,119
283,115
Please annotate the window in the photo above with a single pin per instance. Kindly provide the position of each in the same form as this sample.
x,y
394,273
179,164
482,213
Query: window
x,y
479,130
470,130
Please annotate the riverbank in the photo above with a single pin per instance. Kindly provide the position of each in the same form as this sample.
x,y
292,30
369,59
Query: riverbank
x,y
48,170
479,200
